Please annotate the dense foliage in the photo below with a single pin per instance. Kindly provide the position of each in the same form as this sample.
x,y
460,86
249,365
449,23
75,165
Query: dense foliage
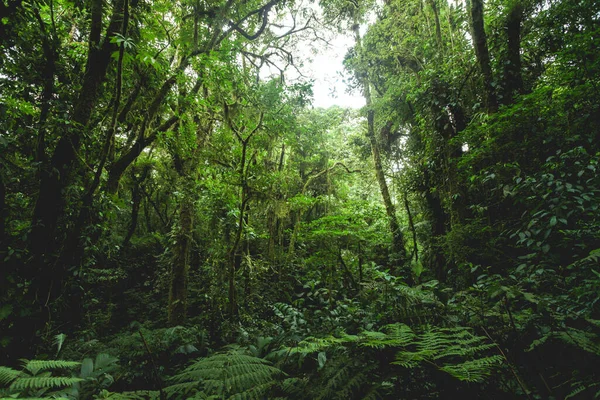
x,y
177,221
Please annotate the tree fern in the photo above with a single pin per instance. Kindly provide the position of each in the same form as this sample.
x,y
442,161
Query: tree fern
x,y
230,375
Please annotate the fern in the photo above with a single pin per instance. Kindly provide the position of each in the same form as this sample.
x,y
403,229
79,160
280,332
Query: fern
x,y
473,370
35,366
346,380
43,382
7,375
585,388
230,375
398,335
443,347
137,395
574,337
35,398
36,378
455,351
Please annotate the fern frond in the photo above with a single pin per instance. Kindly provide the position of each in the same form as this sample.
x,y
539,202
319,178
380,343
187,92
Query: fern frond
x,y
229,375
35,366
595,322
256,392
576,391
398,335
184,387
34,398
473,370
335,381
574,337
442,347
294,386
45,382
7,375
137,395
581,387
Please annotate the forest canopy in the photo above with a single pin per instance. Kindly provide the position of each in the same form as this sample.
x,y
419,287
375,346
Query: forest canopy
x,y
177,220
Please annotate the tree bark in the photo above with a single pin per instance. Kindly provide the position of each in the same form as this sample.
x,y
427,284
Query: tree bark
x,y
513,81
412,227
438,28
482,53
181,262
3,214
438,219
136,198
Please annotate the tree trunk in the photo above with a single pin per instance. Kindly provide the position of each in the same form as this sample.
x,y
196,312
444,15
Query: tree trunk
x,y
136,197
513,81
438,28
47,276
412,227
398,250
181,262
398,255
438,218
482,53
119,167
3,216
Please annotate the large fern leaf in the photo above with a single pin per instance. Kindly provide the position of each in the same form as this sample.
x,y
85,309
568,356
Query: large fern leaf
x,y
456,351
35,366
42,382
230,375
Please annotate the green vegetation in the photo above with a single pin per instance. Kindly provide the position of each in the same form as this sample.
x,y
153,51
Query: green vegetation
x,y
178,221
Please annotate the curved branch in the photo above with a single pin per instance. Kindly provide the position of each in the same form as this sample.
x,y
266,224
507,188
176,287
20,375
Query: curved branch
x,y
318,174
264,12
